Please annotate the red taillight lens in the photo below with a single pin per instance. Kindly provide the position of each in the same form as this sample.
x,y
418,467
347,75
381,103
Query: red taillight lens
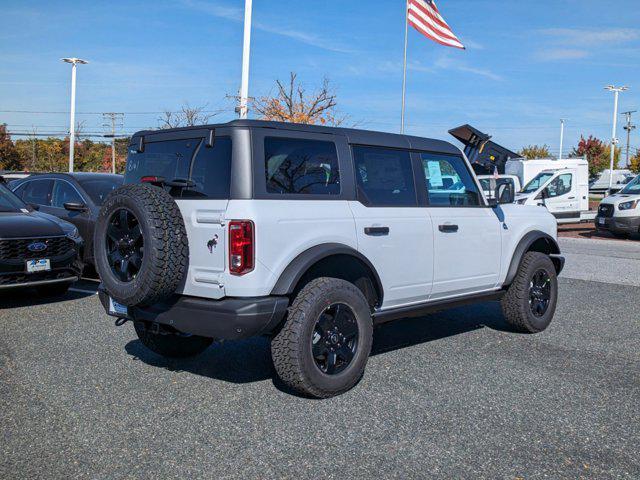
x,y
150,179
241,246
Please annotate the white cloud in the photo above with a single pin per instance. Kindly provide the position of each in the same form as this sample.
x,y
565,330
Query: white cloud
x,y
448,63
237,15
554,54
585,37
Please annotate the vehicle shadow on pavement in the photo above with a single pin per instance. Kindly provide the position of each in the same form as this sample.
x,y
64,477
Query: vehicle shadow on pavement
x,y
247,361
31,298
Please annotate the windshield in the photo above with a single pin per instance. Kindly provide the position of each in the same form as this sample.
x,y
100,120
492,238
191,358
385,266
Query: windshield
x,y
99,188
8,201
633,187
537,182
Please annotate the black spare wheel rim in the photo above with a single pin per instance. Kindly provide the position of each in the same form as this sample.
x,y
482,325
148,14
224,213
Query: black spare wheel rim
x,y
540,293
124,245
335,339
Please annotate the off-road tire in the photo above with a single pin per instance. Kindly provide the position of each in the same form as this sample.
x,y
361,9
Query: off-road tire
x,y
171,345
291,347
515,303
620,235
165,248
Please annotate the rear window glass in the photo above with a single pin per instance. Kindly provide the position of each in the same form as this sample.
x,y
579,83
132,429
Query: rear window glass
x,y
296,166
209,168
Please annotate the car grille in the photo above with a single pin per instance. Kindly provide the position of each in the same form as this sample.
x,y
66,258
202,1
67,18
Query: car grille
x,y
605,210
18,249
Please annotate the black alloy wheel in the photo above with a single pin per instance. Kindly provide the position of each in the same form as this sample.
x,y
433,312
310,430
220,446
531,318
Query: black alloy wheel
x,y
335,339
540,293
124,245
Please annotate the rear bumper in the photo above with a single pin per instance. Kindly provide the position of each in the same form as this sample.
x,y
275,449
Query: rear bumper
x,y
618,224
227,319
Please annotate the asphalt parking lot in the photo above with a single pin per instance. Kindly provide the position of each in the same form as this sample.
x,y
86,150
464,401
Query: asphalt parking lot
x,y
452,395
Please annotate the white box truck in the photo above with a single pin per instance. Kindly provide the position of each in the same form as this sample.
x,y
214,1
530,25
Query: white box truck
x,y
562,186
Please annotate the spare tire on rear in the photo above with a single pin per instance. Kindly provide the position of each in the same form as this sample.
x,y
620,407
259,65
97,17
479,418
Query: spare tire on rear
x,y
140,245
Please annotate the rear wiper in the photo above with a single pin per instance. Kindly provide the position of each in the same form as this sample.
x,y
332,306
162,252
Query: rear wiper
x,y
175,183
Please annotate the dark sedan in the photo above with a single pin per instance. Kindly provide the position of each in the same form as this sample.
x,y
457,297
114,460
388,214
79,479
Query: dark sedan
x,y
74,197
36,249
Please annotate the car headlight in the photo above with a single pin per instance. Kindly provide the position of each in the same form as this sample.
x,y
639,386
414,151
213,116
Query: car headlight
x,y
628,205
72,232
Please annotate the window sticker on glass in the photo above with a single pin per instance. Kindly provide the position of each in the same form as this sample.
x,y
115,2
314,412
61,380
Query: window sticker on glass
x,y
435,173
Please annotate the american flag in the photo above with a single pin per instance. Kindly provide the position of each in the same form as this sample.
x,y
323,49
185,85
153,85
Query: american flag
x,y
423,15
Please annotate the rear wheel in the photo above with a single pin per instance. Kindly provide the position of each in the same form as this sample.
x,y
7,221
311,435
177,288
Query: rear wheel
x,y
171,345
530,302
323,348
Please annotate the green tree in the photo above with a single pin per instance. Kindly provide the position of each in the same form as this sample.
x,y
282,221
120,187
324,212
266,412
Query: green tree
x,y
634,162
535,151
9,157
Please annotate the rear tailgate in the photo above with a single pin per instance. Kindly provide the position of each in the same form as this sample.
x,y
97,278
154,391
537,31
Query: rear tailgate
x,y
207,233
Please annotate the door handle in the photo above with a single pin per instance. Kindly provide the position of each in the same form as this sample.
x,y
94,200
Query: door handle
x,y
448,228
376,231
572,198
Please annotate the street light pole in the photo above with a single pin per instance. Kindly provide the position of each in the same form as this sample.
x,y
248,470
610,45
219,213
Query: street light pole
x,y
616,93
561,137
243,108
72,122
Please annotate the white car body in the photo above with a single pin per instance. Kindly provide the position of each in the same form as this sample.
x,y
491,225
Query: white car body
x,y
620,212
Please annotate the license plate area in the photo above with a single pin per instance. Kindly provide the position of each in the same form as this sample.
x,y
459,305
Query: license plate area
x,y
117,309
39,265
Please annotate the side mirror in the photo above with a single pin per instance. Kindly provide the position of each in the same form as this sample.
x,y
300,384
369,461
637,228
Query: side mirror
x,y
75,207
505,194
33,206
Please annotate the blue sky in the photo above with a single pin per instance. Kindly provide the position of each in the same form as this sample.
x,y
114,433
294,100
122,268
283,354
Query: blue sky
x,y
527,65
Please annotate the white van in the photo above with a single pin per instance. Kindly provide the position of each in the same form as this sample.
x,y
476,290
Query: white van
x,y
601,183
564,191
620,213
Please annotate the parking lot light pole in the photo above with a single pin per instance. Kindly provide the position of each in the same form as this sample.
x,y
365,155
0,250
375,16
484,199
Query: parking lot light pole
x,y
616,93
561,138
72,122
243,108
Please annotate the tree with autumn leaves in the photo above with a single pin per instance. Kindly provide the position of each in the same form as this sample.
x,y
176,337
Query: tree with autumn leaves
x,y
598,154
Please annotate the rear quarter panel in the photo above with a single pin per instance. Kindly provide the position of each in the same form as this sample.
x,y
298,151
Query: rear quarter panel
x,y
283,230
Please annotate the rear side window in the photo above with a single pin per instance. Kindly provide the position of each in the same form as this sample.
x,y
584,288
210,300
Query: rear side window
x,y
209,168
38,192
385,176
298,166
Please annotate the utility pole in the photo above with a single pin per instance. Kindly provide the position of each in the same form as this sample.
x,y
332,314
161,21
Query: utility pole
x,y
72,123
629,128
614,141
113,120
561,137
243,107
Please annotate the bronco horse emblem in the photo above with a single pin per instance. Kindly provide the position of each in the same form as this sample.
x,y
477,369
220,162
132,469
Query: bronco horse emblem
x,y
213,243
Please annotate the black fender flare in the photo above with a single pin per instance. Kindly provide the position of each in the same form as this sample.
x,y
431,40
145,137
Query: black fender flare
x,y
525,245
292,274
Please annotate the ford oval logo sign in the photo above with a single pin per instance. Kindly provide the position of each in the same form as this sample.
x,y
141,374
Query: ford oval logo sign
x,y
37,247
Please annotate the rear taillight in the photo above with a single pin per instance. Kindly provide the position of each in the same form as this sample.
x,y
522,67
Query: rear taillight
x,y
241,246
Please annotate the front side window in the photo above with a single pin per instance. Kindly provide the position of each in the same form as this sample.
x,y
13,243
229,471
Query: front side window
x,y
63,193
38,192
559,186
449,183
385,176
299,166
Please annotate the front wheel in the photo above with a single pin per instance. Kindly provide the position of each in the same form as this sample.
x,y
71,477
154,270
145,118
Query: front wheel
x,y
530,301
171,345
324,345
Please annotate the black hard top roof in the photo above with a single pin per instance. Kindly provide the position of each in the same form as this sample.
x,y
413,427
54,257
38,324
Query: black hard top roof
x,y
76,175
354,136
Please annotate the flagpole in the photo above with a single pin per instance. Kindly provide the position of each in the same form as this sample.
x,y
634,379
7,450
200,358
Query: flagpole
x,y
404,65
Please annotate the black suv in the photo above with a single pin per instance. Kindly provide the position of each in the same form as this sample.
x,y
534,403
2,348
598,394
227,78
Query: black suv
x,y
36,249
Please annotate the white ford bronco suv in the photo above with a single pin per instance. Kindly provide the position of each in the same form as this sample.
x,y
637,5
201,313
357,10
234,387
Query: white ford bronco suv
x,y
312,236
